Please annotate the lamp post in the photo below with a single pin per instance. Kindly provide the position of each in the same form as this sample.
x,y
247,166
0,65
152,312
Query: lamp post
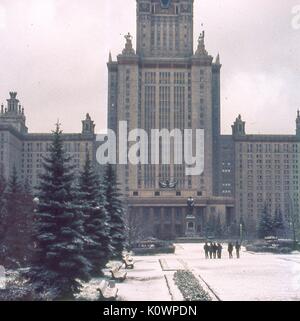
x,y
293,220
241,232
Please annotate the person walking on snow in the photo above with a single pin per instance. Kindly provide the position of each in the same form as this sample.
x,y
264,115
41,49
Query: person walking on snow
x,y
206,250
238,249
215,249
220,248
211,249
230,250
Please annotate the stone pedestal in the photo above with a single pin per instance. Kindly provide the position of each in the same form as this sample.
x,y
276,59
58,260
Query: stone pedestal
x,y
190,226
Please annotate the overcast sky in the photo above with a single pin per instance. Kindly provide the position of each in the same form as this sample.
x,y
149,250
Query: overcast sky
x,y
54,54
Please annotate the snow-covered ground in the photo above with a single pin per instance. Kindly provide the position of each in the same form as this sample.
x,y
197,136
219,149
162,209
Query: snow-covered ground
x,y
254,277
146,282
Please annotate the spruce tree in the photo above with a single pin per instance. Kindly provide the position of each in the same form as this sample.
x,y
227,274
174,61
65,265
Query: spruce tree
x,y
58,263
97,249
2,210
2,184
265,227
15,223
28,208
2,216
115,212
278,223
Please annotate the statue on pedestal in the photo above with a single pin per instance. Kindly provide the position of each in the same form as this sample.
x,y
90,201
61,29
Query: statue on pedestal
x,y
190,218
128,50
191,205
201,51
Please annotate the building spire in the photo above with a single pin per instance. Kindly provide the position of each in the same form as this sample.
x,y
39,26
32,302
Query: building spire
x,y
88,126
109,57
13,103
298,123
218,59
13,114
239,127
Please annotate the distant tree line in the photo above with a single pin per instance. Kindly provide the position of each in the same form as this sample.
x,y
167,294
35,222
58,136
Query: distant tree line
x,y
276,224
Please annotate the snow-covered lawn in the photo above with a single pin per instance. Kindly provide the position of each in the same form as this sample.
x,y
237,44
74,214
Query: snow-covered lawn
x,y
253,277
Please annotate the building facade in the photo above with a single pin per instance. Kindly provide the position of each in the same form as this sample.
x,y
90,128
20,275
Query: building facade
x,y
25,151
165,84
265,172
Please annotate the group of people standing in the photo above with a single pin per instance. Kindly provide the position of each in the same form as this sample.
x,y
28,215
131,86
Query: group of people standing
x,y
214,250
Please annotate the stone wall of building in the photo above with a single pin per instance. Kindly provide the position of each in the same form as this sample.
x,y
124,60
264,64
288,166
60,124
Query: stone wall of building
x,y
25,151
165,84
266,172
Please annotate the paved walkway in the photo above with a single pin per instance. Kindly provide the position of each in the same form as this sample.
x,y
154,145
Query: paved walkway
x,y
146,282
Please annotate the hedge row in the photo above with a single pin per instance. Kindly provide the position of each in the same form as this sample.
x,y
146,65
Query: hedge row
x,y
190,287
153,251
269,249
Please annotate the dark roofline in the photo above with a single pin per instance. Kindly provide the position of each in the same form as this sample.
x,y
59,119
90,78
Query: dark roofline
x,y
66,137
268,138
47,136
226,136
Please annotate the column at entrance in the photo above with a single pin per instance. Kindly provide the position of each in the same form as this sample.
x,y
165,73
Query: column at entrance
x,y
200,221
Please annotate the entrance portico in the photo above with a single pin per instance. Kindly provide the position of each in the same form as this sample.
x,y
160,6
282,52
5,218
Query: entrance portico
x,y
167,217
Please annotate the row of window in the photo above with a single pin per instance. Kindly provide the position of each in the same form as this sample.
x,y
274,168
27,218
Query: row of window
x,y
269,148
45,147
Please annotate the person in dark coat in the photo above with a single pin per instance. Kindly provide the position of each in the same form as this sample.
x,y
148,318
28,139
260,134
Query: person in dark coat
x,y
215,250
220,248
211,249
237,249
230,250
206,250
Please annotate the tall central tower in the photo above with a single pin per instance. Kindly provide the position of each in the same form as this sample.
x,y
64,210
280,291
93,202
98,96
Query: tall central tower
x,y
165,28
164,84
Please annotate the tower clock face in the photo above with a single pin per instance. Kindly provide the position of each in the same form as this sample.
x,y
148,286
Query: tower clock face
x,y
165,3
